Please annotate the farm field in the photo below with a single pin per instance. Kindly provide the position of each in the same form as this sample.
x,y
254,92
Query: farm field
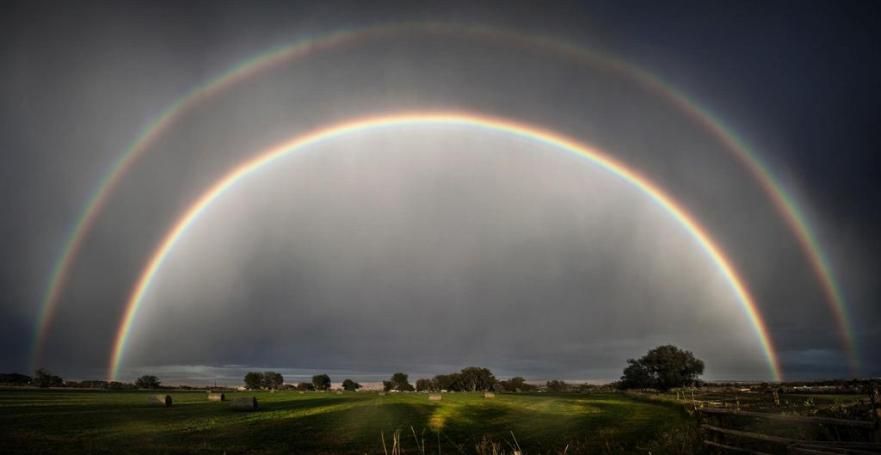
x,y
96,421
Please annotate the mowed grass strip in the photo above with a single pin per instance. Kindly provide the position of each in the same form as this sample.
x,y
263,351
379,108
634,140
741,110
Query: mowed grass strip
x,y
98,421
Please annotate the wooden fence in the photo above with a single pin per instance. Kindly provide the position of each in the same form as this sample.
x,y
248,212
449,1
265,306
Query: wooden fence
x,y
716,424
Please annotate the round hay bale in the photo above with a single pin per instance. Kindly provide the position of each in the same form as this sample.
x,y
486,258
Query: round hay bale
x,y
216,396
435,396
164,400
489,395
244,404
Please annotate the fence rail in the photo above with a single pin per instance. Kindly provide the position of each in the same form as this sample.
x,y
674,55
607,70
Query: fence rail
x,y
731,440
794,446
865,424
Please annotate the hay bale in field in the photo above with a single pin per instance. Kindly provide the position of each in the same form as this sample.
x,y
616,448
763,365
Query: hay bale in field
x,y
216,396
435,396
244,404
489,395
164,400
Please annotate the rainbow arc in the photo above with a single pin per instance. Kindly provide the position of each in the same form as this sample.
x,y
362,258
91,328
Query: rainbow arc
x,y
302,142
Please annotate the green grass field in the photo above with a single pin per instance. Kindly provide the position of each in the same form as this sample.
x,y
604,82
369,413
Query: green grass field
x,y
86,421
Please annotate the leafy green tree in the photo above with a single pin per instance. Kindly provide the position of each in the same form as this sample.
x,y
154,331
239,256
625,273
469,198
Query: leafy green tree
x,y
147,382
304,386
400,382
662,368
321,381
636,376
476,378
350,385
44,378
254,380
451,382
272,380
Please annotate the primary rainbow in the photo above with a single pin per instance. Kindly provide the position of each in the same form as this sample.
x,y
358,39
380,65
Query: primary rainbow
x,y
191,214
783,202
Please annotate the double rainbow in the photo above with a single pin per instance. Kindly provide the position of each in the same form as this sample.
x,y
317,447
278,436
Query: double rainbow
x,y
784,203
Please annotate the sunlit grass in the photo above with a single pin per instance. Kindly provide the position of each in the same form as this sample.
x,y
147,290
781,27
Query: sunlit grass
x,y
80,421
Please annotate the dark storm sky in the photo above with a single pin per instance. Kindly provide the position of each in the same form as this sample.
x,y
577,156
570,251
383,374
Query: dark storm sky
x,y
798,80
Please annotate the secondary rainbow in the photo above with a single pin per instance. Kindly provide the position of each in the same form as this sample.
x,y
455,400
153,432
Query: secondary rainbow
x,y
679,213
275,57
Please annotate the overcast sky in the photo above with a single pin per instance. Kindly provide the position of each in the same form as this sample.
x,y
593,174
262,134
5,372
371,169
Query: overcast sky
x,y
427,249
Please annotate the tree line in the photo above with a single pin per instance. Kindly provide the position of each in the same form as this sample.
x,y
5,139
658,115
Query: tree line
x,y
44,378
662,368
270,380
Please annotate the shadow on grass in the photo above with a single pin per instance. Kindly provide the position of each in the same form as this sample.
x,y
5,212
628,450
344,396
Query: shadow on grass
x,y
354,428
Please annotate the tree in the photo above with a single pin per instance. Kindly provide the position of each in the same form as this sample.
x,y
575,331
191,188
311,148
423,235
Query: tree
x,y
321,381
475,378
254,380
272,380
147,382
636,376
451,381
43,378
424,385
350,385
662,368
399,382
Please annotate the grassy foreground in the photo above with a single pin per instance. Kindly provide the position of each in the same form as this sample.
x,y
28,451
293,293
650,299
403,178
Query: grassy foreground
x,y
88,421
